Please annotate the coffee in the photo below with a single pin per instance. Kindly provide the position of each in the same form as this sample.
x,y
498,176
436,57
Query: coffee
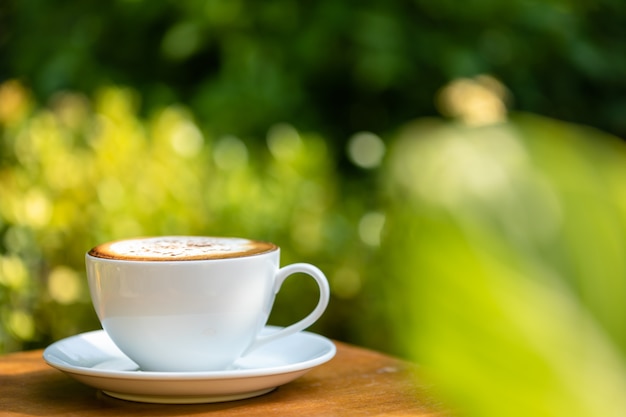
x,y
180,248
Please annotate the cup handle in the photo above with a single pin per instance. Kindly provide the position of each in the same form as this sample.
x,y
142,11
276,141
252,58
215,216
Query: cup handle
x,y
281,276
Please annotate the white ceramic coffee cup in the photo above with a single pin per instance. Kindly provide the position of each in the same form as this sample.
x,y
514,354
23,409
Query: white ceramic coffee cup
x,y
185,315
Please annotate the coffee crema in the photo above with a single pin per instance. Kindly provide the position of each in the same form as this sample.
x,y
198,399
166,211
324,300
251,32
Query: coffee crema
x,y
180,248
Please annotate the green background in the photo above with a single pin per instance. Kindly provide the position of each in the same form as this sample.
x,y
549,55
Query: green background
x,y
453,168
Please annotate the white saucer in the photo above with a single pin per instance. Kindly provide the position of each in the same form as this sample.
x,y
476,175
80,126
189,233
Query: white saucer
x,y
94,360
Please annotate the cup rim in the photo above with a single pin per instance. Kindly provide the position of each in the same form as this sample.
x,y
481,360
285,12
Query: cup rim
x,y
273,248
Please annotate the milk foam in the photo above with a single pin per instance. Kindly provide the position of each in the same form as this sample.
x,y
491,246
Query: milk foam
x,y
180,248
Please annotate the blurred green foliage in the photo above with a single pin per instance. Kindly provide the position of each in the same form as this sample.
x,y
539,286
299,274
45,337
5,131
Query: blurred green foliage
x,y
508,242
327,66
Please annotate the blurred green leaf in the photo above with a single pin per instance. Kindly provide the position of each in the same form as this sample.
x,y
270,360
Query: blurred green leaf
x,y
506,243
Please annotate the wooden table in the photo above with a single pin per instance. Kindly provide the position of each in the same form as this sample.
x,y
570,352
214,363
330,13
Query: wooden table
x,y
357,382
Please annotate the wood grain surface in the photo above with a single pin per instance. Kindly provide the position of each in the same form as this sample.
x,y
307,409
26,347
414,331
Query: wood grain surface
x,y
357,382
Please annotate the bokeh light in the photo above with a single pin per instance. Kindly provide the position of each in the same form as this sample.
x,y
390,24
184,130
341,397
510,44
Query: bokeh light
x,y
370,228
477,101
284,141
65,285
366,150
230,153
